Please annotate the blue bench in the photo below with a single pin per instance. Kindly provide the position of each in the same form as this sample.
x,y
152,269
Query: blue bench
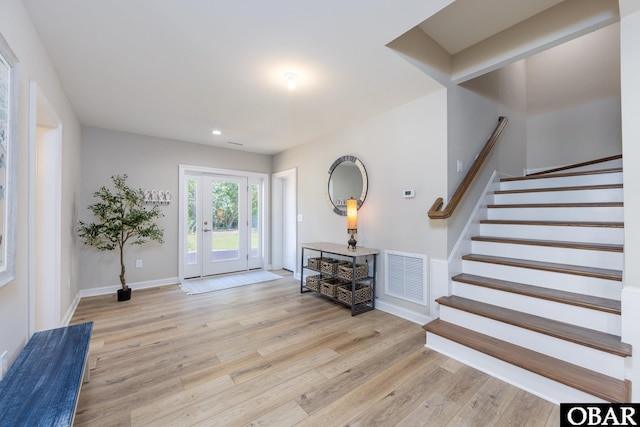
x,y
43,384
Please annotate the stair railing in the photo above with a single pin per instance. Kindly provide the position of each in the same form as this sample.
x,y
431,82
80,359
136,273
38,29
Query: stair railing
x,y
435,212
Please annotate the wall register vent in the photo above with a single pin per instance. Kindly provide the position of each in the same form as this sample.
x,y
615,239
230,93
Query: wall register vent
x,y
406,276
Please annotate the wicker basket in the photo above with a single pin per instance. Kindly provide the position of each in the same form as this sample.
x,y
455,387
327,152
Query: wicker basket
x,y
362,293
346,271
329,266
329,287
316,263
313,282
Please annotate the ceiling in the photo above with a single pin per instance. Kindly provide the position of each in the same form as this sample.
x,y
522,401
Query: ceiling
x,y
479,19
178,69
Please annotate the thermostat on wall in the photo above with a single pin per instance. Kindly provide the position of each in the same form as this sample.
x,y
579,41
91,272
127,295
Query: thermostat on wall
x,y
408,194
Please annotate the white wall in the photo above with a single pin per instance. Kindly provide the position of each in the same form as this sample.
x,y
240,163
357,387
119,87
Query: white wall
x,y
630,70
18,30
573,100
150,163
512,149
473,112
404,148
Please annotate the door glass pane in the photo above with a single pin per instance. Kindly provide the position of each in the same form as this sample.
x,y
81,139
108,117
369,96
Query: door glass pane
x,y
192,221
255,220
225,241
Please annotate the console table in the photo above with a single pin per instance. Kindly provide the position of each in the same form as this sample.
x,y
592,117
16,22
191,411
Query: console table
x,y
340,279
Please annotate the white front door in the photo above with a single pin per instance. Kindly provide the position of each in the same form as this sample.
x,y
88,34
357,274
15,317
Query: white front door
x,y
225,225
222,224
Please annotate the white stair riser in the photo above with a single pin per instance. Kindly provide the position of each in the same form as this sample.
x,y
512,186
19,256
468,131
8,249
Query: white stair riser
x,y
569,181
586,357
575,196
536,384
566,282
611,214
593,319
586,258
606,235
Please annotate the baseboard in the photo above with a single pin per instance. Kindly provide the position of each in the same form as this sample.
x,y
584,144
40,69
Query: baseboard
x,y
138,285
72,309
409,315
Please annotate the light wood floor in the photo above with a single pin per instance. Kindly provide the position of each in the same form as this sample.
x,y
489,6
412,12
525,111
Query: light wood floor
x,y
266,355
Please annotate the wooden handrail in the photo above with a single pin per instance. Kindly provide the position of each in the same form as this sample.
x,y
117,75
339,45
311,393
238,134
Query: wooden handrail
x,y
435,212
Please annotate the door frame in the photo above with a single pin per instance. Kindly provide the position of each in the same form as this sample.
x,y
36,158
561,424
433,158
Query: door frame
x,y
184,169
291,176
42,114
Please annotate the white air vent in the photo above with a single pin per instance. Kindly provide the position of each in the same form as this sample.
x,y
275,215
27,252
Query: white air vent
x,y
406,276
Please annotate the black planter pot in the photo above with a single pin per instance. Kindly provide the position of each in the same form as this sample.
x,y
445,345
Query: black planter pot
x,y
124,295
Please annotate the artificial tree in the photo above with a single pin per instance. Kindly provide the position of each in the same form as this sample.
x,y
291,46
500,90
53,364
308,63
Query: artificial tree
x,y
121,218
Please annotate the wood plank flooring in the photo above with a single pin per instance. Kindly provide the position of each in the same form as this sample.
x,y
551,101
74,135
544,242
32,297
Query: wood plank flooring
x,y
266,355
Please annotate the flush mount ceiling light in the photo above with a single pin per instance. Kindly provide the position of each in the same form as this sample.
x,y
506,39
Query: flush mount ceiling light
x,y
216,132
291,78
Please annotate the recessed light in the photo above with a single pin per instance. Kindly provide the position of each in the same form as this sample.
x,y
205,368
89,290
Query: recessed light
x,y
291,80
216,132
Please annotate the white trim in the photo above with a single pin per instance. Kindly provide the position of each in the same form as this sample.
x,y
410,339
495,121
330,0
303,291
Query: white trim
x,y
105,290
31,223
439,284
410,315
463,245
291,175
38,102
630,298
71,310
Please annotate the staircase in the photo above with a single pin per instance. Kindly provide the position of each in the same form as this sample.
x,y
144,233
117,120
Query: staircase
x,y
537,302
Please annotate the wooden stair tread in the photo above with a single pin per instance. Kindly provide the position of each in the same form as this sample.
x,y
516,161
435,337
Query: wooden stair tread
x,y
577,334
557,205
554,223
601,273
551,189
606,305
594,383
561,175
551,243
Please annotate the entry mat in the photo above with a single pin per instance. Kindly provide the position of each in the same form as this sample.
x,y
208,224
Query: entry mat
x,y
210,284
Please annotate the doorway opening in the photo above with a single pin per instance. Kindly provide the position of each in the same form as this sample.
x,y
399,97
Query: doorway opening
x,y
45,145
285,240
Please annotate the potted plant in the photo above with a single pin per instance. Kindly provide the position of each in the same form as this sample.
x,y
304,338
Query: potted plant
x,y
121,218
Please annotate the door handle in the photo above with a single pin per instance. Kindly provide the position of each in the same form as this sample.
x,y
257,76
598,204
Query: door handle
x,y
206,230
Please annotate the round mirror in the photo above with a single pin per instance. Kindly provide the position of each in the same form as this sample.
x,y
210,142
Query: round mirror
x,y
347,179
